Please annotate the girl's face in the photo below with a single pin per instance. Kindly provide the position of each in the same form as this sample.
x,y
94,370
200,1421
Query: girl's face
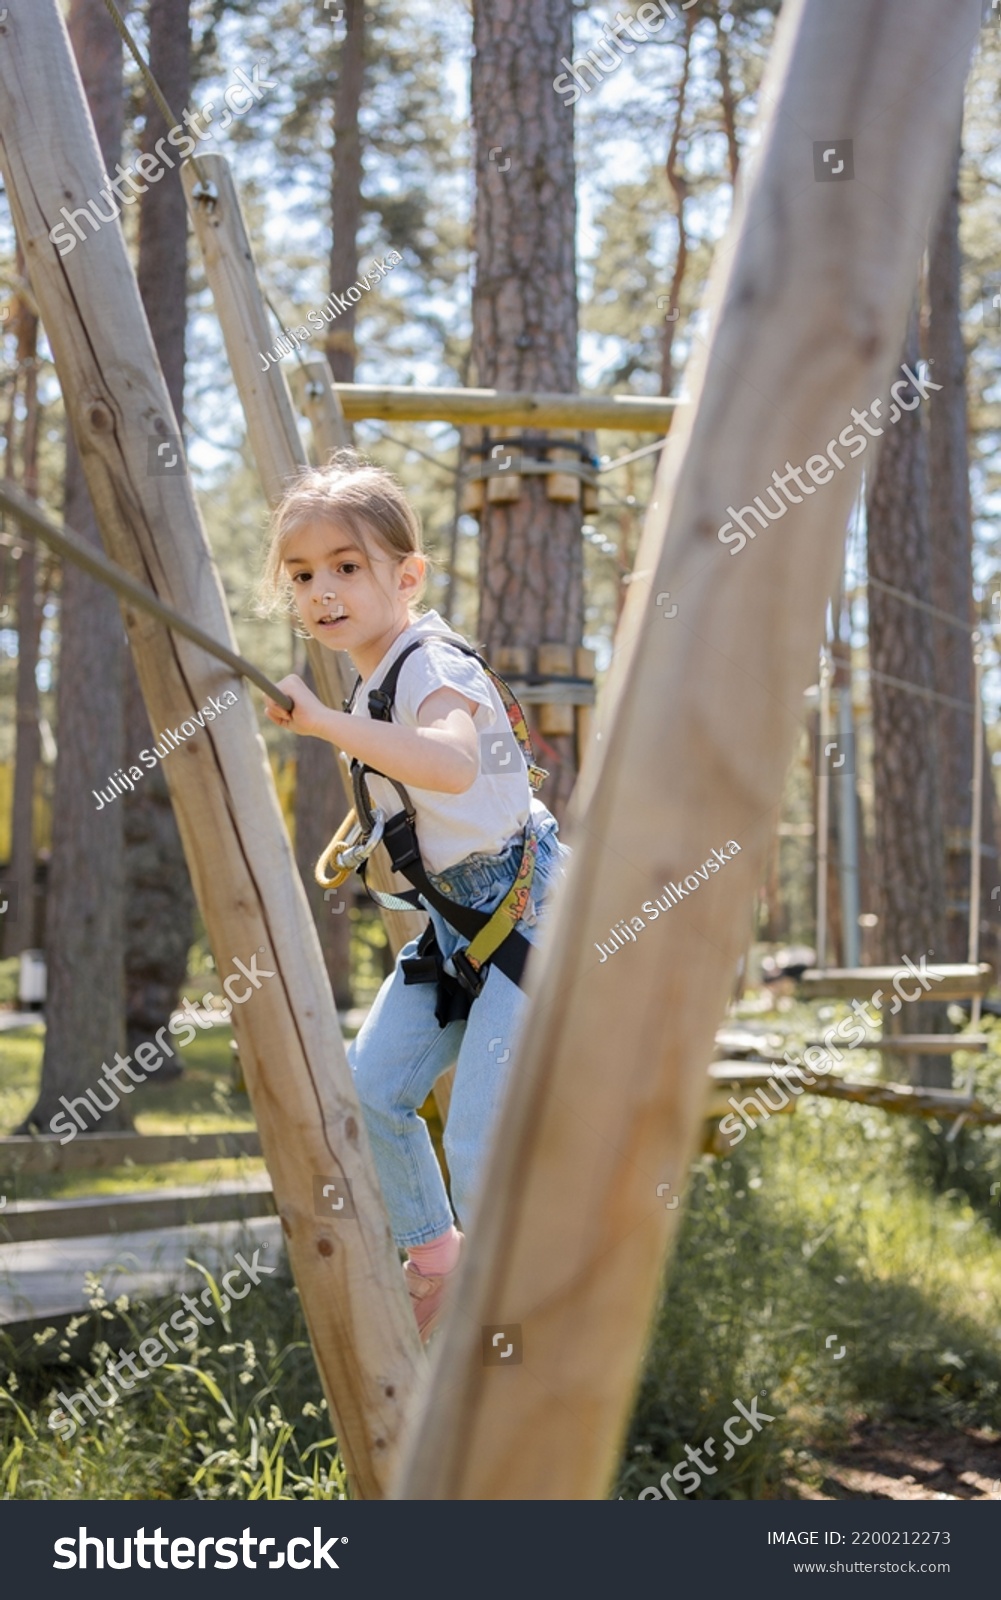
x,y
349,597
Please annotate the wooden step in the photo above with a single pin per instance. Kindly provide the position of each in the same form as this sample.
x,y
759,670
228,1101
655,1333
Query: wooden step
x,y
923,1044
954,981
134,1213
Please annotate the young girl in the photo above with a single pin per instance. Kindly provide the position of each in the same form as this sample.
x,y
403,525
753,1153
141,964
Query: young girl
x,y
348,545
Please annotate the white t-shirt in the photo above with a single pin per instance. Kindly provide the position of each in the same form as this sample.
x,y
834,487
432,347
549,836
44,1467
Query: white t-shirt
x,y
495,808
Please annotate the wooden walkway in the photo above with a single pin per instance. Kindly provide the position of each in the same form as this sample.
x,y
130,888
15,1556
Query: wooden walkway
x,y
45,1278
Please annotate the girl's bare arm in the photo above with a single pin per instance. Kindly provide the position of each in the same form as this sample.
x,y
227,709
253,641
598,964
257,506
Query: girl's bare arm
x,y
441,754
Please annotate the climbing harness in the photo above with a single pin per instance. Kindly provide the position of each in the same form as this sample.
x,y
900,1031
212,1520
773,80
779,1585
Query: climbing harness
x,y
492,936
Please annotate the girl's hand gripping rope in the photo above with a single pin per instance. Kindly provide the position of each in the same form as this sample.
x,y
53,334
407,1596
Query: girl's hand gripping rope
x,y
308,714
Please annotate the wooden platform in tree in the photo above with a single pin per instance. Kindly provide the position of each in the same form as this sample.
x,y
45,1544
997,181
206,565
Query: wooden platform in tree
x,y
954,981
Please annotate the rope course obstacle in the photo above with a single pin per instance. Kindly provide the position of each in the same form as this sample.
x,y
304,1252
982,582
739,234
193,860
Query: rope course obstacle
x,y
570,1248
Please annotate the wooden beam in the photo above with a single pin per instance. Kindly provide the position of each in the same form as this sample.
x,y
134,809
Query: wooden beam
x,y
100,1152
234,839
406,403
730,1078
271,425
953,981
807,304
134,1213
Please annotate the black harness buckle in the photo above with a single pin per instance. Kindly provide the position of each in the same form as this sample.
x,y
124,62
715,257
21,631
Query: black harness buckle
x,y
400,839
470,977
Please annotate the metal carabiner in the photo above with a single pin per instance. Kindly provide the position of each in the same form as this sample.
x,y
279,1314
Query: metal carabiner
x,y
352,853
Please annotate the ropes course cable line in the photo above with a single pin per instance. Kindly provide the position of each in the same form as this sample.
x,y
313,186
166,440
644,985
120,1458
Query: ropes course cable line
x,y
35,519
150,81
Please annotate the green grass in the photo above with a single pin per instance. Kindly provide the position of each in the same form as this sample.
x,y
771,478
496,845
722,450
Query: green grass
x,y
836,1221
239,1417
201,1100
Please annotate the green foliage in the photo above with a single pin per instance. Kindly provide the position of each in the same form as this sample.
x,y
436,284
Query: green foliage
x,y
815,1226
241,1417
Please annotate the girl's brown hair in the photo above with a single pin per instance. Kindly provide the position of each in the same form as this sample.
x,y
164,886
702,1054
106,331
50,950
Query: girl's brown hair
x,y
366,500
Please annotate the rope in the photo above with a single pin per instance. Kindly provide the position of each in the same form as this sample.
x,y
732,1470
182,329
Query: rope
x,y
623,461
166,113
914,688
96,564
922,605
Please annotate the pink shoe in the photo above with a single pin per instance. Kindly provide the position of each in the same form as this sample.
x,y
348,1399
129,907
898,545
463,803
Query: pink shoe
x,y
427,1296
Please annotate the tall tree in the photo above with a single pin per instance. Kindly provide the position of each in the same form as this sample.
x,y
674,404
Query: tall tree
x,y
909,856
345,188
159,901
20,933
525,320
85,1008
320,803
952,575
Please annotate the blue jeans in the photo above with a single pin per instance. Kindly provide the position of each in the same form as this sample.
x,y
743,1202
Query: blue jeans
x,y
401,1051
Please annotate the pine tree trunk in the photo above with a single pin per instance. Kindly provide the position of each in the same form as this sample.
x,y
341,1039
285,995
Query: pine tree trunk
x,y
320,802
20,934
159,902
952,578
909,854
84,916
345,189
525,324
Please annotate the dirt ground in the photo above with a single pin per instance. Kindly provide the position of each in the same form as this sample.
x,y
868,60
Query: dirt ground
x,y
899,1461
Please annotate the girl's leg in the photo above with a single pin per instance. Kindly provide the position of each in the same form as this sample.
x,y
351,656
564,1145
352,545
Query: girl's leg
x,y
486,1057
397,1056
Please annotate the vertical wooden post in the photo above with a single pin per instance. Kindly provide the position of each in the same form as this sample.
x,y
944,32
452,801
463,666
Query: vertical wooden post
x,y
698,723
313,389
584,661
241,863
274,435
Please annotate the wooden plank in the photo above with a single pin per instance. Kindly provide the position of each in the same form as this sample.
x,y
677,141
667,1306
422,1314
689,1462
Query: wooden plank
x,y
928,1044
237,849
807,307
953,981
410,403
90,1152
30,1220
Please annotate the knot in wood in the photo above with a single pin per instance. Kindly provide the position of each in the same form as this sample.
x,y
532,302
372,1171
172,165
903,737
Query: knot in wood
x,y
351,1130
100,416
325,1247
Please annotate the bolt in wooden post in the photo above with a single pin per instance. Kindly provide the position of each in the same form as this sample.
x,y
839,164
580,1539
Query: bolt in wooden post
x,y
314,393
237,849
